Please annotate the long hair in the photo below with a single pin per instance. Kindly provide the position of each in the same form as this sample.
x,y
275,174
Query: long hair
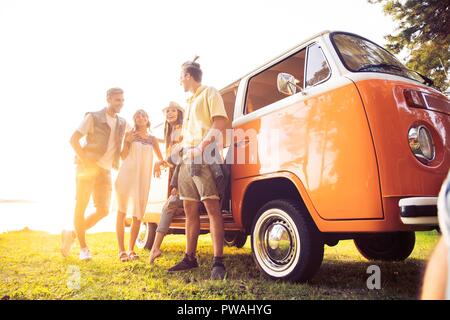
x,y
168,129
144,113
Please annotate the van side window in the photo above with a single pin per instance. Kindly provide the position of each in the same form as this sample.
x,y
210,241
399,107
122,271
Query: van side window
x,y
229,99
317,69
262,88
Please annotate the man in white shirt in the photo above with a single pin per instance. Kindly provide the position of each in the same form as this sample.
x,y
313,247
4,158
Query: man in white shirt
x,y
104,131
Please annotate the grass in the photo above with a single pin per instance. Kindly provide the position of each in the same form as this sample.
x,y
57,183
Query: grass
x,y
31,267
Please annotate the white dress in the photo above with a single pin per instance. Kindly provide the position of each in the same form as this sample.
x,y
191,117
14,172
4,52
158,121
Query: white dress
x,y
134,177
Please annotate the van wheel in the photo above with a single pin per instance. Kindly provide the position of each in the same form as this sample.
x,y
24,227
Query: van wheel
x,y
286,244
395,246
235,239
146,236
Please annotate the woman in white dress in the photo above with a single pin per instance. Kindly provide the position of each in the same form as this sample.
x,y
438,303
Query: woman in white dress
x,y
133,180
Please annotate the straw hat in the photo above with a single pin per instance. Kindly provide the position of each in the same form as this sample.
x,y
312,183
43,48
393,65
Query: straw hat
x,y
173,104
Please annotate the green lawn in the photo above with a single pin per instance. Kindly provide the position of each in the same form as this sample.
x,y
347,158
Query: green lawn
x,y
31,267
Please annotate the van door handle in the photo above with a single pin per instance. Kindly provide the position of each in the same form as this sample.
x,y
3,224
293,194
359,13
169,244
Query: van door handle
x,y
242,143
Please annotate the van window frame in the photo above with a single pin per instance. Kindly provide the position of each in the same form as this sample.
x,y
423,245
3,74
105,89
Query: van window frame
x,y
244,111
235,88
306,66
341,58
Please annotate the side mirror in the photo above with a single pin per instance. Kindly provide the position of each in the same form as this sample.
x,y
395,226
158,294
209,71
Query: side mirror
x,y
286,84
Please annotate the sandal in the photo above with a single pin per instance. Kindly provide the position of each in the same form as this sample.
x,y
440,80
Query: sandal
x,y
123,257
132,255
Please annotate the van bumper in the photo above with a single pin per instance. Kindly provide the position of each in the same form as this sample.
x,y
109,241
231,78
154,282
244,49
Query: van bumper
x,y
419,211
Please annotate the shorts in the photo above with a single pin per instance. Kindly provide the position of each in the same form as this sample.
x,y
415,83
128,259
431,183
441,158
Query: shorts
x,y
197,188
96,181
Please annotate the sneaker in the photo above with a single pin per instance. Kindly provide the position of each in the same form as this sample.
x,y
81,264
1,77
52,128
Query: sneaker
x,y
185,264
218,271
67,240
85,254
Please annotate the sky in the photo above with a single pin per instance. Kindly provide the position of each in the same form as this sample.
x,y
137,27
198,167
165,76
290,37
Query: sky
x,y
58,58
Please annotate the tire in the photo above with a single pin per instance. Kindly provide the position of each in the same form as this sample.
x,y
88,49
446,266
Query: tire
x,y
235,239
146,236
286,244
395,246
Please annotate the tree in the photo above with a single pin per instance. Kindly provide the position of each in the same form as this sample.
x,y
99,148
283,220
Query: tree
x,y
423,31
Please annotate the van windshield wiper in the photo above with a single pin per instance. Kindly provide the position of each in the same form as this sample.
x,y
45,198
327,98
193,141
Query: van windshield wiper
x,y
380,65
426,80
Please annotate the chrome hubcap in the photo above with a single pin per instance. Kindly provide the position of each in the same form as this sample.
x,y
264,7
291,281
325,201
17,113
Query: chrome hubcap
x,y
279,242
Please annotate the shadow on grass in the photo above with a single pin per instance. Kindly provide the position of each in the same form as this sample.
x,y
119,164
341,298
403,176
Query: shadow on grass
x,y
336,279
399,280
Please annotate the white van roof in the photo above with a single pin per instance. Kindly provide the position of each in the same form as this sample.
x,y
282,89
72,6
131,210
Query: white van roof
x,y
280,55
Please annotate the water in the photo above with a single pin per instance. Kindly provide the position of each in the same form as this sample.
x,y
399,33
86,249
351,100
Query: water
x,y
53,207
45,216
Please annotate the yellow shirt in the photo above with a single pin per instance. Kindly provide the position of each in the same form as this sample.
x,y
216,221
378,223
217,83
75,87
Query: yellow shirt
x,y
202,107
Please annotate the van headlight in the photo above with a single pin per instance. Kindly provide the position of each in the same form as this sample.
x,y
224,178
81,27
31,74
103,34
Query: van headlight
x,y
421,143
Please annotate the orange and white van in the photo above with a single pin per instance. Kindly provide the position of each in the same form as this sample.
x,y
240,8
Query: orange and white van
x,y
334,139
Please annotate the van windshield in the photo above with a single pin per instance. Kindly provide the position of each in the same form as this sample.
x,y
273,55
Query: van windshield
x,y
361,55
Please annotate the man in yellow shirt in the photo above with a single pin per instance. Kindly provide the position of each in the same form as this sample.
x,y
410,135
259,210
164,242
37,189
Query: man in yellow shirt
x,y
205,122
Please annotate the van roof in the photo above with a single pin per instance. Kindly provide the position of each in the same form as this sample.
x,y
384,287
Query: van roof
x,y
278,56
